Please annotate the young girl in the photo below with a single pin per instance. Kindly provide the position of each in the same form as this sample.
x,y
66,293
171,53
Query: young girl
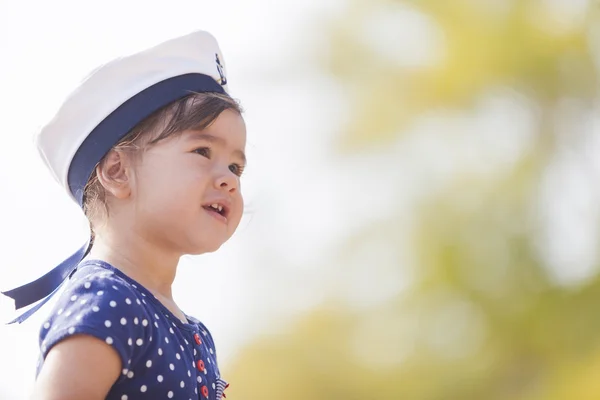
x,y
151,147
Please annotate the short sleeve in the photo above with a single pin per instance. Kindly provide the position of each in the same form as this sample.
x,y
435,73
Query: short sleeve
x,y
102,305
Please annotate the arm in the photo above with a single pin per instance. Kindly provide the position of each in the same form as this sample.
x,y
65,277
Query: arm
x,y
80,367
86,343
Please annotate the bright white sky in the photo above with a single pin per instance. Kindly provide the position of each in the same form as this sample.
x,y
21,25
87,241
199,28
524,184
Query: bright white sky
x,y
292,186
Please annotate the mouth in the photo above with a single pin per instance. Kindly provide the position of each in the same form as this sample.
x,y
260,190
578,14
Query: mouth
x,y
218,209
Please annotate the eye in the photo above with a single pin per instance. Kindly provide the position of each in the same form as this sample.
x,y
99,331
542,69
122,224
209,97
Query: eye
x,y
237,169
203,151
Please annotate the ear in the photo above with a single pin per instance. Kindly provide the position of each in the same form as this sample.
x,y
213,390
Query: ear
x,y
115,174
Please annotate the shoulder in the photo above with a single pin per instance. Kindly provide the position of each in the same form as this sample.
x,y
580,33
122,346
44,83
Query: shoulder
x,y
96,291
99,302
98,282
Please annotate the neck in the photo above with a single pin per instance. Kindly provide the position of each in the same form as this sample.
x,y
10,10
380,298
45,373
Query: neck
x,y
137,257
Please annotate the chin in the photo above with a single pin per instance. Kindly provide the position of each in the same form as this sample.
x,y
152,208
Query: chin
x,y
197,249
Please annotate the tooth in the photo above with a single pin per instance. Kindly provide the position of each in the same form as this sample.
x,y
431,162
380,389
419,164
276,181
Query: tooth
x,y
214,205
220,208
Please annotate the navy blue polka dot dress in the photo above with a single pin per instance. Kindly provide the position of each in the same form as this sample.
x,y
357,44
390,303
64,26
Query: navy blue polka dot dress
x,y
162,357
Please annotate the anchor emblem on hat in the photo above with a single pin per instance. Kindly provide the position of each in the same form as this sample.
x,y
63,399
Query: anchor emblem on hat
x,y
223,80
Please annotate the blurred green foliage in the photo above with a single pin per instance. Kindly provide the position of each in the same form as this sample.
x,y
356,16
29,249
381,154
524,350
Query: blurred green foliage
x,y
482,318
518,46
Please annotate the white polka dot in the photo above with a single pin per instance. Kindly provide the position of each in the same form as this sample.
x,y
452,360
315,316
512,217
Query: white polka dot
x,y
143,389
113,286
138,301
159,351
182,384
123,321
156,316
199,379
136,321
78,317
208,359
59,311
130,374
71,330
125,371
171,330
211,351
100,293
186,342
73,298
109,340
124,397
148,363
47,325
195,352
150,338
134,285
139,342
170,395
181,347
87,285
178,356
130,342
68,313
174,324
127,301
196,390
171,367
189,373
159,378
167,340
143,301
145,322
204,332
107,323
155,324
214,387
113,303
144,294
82,302
95,309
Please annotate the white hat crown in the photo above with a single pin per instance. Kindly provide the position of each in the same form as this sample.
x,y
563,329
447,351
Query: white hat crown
x,y
150,75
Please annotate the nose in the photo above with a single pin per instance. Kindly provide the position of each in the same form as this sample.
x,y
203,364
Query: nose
x,y
227,180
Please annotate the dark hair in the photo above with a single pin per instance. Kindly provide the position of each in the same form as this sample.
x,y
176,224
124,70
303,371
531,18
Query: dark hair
x,y
195,111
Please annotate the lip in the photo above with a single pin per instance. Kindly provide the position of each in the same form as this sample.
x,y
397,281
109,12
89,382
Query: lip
x,y
223,202
216,215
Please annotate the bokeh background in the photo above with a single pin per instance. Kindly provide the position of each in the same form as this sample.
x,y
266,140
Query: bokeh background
x,y
422,196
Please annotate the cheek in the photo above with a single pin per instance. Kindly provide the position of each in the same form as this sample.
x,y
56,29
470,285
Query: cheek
x,y
241,200
170,190
239,209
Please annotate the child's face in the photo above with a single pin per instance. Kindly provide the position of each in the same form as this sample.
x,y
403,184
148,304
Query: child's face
x,y
178,179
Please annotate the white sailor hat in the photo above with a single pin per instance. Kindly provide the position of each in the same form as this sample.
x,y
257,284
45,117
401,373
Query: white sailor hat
x,y
120,94
112,100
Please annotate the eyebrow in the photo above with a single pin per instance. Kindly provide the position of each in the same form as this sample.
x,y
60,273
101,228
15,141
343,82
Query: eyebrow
x,y
217,140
